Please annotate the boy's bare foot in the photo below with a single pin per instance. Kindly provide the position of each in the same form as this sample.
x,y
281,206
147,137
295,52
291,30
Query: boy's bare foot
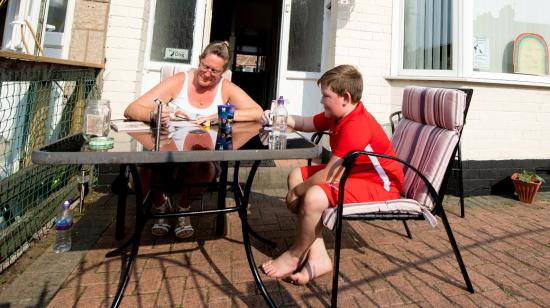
x,y
314,267
282,266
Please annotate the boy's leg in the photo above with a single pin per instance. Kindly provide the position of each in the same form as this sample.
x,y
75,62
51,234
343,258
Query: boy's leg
x,y
294,179
318,262
309,215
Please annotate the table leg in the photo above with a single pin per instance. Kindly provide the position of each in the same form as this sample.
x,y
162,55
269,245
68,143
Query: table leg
x,y
136,238
121,203
241,198
222,192
242,202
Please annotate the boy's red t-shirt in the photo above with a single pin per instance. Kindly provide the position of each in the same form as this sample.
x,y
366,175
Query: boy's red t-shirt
x,y
359,130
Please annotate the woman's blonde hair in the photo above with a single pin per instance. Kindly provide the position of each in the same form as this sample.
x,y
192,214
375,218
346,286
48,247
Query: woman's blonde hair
x,y
220,49
342,79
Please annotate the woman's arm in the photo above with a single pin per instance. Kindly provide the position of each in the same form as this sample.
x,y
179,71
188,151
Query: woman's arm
x,y
141,108
246,109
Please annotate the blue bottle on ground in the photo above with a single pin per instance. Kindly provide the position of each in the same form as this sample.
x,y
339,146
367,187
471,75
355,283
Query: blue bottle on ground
x,y
63,226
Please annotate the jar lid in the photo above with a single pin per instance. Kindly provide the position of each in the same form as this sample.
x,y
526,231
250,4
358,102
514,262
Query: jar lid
x,y
101,143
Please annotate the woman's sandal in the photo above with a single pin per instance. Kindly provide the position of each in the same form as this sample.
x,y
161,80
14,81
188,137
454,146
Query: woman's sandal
x,y
161,227
183,230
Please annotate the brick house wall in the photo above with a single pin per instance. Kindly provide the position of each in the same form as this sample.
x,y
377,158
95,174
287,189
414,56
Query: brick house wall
x,y
89,31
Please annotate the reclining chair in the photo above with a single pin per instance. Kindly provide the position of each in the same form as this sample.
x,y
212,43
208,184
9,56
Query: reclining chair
x,y
426,141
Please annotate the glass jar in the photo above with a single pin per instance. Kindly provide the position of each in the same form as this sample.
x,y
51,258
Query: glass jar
x,y
97,118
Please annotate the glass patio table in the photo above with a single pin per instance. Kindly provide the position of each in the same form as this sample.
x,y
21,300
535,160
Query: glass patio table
x,y
244,142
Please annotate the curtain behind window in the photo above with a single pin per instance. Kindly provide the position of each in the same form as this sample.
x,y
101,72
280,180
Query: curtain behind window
x,y
428,35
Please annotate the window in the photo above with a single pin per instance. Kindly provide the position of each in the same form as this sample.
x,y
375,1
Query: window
x,y
497,25
172,37
306,36
428,35
498,39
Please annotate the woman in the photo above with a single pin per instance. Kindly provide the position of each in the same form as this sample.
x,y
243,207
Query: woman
x,y
194,95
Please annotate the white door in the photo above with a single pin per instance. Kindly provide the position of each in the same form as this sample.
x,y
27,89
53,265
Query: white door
x,y
57,30
175,36
302,49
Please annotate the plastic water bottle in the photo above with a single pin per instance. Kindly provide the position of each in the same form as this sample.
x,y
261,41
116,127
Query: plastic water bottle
x,y
280,118
63,226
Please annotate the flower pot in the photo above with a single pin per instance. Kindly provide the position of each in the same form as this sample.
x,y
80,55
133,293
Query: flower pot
x,y
526,191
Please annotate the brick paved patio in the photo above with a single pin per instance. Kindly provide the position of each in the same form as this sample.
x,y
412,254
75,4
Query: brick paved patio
x,y
505,245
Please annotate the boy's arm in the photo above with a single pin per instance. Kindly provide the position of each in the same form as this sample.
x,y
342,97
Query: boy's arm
x,y
330,174
304,124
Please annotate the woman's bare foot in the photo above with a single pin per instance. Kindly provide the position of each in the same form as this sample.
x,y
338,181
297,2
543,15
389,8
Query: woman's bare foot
x,y
314,267
282,266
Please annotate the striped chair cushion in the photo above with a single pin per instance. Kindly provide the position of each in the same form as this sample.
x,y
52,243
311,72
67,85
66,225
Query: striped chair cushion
x,y
434,106
399,206
429,149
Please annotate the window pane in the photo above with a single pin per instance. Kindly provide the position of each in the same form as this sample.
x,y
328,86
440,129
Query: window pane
x,y
428,35
498,23
306,36
57,11
173,31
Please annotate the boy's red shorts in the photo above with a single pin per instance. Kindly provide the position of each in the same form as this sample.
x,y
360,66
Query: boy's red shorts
x,y
357,190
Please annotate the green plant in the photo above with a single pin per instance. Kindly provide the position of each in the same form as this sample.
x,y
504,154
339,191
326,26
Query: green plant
x,y
529,177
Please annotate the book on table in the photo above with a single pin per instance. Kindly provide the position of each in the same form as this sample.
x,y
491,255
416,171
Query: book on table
x,y
123,125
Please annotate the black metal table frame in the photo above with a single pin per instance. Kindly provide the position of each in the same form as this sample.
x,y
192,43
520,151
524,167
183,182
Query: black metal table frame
x,y
143,212
67,151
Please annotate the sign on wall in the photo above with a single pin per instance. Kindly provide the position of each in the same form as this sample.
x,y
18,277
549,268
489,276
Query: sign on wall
x,y
176,54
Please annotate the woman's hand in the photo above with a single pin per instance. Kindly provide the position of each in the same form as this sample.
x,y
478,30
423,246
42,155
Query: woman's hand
x,y
165,117
207,120
264,119
182,114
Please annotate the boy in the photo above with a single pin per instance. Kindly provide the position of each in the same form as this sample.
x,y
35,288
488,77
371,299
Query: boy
x,y
313,189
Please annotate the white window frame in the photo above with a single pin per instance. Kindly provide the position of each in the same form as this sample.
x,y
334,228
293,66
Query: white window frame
x,y
292,74
198,38
462,54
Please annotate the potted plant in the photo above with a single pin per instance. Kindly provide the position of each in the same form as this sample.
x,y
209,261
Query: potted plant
x,y
527,185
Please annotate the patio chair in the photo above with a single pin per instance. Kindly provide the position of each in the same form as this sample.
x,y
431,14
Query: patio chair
x,y
395,117
426,142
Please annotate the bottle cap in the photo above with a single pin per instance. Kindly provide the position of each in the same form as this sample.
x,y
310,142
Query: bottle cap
x,y
66,204
280,100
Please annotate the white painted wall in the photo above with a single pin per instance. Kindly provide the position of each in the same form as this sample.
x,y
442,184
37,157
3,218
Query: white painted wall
x,y
124,51
363,39
505,121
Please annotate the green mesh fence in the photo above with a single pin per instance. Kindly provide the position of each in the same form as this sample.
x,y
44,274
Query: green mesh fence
x,y
38,104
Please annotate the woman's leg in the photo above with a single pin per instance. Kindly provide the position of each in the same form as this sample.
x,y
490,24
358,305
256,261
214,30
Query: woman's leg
x,y
192,173
161,226
309,220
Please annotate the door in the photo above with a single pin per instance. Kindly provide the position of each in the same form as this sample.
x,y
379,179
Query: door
x,y
302,49
252,28
175,36
57,30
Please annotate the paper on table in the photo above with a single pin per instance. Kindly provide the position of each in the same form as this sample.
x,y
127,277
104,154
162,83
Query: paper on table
x,y
122,125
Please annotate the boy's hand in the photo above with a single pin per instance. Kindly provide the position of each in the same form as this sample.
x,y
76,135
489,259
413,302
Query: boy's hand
x,y
264,119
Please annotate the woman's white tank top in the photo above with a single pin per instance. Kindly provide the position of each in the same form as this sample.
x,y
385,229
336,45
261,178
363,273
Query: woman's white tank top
x,y
182,101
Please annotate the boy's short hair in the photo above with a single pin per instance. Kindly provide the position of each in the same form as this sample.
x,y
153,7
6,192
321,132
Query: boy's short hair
x,y
342,79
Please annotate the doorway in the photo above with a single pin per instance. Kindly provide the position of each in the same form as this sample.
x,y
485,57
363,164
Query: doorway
x,y
252,28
